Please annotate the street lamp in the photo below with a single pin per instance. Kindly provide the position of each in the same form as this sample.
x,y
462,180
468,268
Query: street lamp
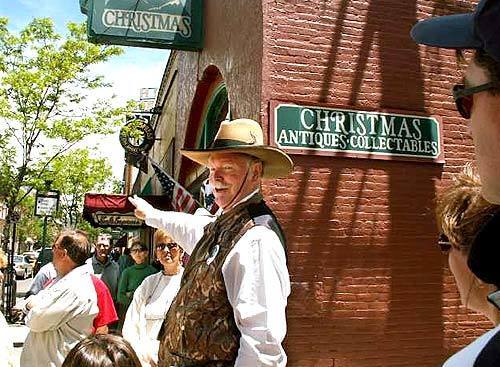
x,y
9,285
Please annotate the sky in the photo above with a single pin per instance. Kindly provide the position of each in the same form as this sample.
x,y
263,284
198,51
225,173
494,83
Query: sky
x,y
136,68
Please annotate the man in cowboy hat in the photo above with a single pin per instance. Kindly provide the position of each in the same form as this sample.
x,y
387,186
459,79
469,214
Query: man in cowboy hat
x,y
230,309
478,97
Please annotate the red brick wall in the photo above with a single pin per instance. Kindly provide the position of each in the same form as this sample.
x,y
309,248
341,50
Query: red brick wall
x,y
369,287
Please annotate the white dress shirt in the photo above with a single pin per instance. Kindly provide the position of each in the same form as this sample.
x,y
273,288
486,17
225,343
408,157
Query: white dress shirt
x,y
256,279
146,313
60,316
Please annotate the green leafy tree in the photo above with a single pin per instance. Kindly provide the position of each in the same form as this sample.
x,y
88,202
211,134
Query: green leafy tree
x,y
45,81
75,174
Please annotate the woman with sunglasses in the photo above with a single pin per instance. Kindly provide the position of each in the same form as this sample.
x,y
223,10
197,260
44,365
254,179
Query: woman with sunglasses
x,y
152,300
461,214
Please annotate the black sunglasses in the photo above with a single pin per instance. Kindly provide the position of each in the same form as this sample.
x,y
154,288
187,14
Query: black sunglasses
x,y
464,97
169,246
444,243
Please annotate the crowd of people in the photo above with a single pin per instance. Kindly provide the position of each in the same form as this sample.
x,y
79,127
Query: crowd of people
x,y
80,294
226,306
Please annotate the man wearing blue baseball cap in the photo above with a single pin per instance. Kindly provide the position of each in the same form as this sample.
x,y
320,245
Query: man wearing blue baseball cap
x,y
478,98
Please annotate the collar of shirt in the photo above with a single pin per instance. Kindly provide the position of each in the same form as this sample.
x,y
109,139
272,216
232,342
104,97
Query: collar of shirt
x,y
95,261
77,272
220,211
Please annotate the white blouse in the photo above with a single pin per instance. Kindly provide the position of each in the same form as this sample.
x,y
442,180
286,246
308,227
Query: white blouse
x,y
146,313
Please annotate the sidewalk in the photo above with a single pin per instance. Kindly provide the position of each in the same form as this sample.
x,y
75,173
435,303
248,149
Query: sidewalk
x,y
18,334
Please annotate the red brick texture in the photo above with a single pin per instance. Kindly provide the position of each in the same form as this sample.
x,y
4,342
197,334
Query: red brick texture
x,y
369,287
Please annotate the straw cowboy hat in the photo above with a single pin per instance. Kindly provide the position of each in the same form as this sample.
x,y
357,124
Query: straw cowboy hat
x,y
244,136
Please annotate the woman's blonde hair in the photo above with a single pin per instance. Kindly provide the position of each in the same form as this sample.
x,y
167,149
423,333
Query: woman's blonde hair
x,y
461,210
161,233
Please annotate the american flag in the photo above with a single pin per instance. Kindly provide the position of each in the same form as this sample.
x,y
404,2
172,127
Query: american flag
x,y
208,197
182,200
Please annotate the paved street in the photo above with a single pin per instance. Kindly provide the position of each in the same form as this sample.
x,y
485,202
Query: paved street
x,y
18,332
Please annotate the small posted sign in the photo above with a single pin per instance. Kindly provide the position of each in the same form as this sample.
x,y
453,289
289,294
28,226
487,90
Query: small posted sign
x,y
301,129
46,203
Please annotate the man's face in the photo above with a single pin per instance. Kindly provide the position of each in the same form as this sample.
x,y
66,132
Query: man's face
x,y
102,249
232,177
485,130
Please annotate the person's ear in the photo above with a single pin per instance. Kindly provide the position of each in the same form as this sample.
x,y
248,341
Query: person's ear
x,y
257,169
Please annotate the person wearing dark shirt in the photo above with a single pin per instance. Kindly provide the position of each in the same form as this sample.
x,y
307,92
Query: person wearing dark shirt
x,y
104,267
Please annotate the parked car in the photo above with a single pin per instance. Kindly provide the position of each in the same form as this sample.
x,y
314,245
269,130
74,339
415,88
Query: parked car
x,y
32,256
22,266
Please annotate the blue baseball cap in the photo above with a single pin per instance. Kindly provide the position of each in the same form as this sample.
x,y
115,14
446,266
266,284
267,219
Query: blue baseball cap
x,y
477,30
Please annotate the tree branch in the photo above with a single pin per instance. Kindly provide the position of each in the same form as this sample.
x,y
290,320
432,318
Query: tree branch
x,y
44,167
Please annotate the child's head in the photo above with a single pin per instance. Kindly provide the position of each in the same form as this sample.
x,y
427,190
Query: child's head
x,y
102,351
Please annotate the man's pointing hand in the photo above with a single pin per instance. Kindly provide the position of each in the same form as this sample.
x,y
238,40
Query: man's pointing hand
x,y
142,207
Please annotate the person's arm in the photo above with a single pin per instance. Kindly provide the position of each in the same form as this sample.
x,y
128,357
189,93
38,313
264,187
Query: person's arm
x,y
258,285
53,307
122,287
186,229
38,282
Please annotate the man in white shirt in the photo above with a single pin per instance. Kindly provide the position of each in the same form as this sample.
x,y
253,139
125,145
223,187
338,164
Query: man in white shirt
x,y
61,314
230,309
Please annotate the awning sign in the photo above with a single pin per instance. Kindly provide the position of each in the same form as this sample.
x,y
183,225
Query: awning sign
x,y
114,210
116,220
174,24
339,132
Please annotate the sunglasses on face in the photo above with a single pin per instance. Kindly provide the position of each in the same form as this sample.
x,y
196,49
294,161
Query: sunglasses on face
x,y
169,246
444,243
137,250
464,99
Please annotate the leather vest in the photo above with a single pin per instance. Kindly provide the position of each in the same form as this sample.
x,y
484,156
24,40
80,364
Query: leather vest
x,y
199,328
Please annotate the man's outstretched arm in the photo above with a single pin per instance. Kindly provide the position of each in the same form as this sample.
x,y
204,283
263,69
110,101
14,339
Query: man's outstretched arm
x,y
186,229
